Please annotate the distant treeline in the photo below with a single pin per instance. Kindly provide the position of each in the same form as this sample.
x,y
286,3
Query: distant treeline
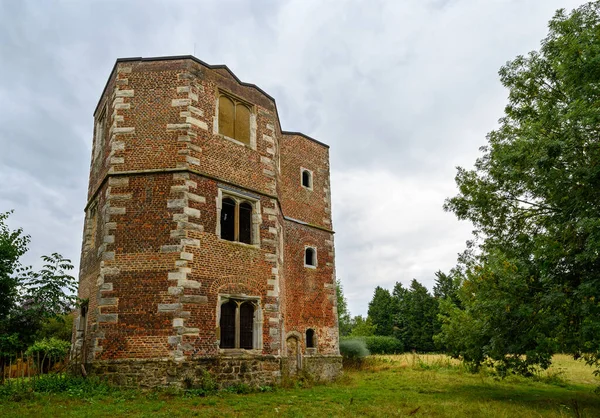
x,y
408,314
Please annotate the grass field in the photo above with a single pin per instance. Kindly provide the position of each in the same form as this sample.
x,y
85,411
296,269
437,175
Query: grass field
x,y
402,385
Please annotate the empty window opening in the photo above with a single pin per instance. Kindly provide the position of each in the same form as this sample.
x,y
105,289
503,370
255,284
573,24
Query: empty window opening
x,y
246,325
310,338
228,210
307,179
245,223
310,257
227,324
236,223
234,119
237,325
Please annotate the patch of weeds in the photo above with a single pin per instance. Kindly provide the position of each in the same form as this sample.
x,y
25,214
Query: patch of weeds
x,y
239,388
73,386
203,385
556,378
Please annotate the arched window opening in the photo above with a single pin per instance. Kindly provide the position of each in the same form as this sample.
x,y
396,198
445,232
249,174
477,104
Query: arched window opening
x,y
228,223
234,119
310,338
227,324
246,325
310,257
306,179
246,223
238,325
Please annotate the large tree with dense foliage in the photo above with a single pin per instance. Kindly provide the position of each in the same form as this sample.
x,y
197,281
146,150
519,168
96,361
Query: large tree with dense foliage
x,y
532,285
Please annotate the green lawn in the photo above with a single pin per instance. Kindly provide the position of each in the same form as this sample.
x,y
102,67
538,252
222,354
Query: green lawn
x,y
404,385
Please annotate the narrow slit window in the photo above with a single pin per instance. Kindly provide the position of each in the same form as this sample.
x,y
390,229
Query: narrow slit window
x,y
310,257
228,210
227,324
246,325
310,338
246,223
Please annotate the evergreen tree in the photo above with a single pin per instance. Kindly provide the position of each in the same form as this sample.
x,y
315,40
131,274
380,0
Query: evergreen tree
x,y
382,311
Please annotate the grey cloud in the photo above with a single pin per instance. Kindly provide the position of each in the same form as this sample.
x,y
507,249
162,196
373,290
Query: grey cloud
x,y
403,91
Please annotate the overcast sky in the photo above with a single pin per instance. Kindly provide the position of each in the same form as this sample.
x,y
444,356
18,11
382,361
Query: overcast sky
x,y
402,90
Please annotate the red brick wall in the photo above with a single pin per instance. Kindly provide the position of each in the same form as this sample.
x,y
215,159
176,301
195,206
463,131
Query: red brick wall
x,y
311,206
312,290
155,271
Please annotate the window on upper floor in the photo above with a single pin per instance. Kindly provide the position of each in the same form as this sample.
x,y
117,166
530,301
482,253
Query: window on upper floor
x,y
100,133
234,118
307,178
90,231
310,257
236,219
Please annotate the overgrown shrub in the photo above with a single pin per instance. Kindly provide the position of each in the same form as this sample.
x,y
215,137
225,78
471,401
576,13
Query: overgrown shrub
x,y
379,344
353,351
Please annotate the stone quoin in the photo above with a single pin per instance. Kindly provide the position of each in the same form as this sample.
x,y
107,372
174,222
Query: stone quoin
x,y
208,241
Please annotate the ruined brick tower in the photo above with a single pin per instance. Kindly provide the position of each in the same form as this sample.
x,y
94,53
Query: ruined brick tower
x,y
208,243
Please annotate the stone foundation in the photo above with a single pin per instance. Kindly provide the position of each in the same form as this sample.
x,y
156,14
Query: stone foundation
x,y
322,368
224,371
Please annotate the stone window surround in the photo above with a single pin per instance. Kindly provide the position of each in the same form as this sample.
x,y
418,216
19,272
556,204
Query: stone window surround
x,y
99,134
257,326
240,197
253,124
311,178
313,349
90,226
310,266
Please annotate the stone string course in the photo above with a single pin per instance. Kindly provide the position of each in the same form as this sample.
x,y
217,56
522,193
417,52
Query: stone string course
x,y
153,267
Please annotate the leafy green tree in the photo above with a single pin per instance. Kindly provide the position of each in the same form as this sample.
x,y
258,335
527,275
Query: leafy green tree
x,y
382,310
13,244
534,199
344,321
59,327
28,299
362,327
